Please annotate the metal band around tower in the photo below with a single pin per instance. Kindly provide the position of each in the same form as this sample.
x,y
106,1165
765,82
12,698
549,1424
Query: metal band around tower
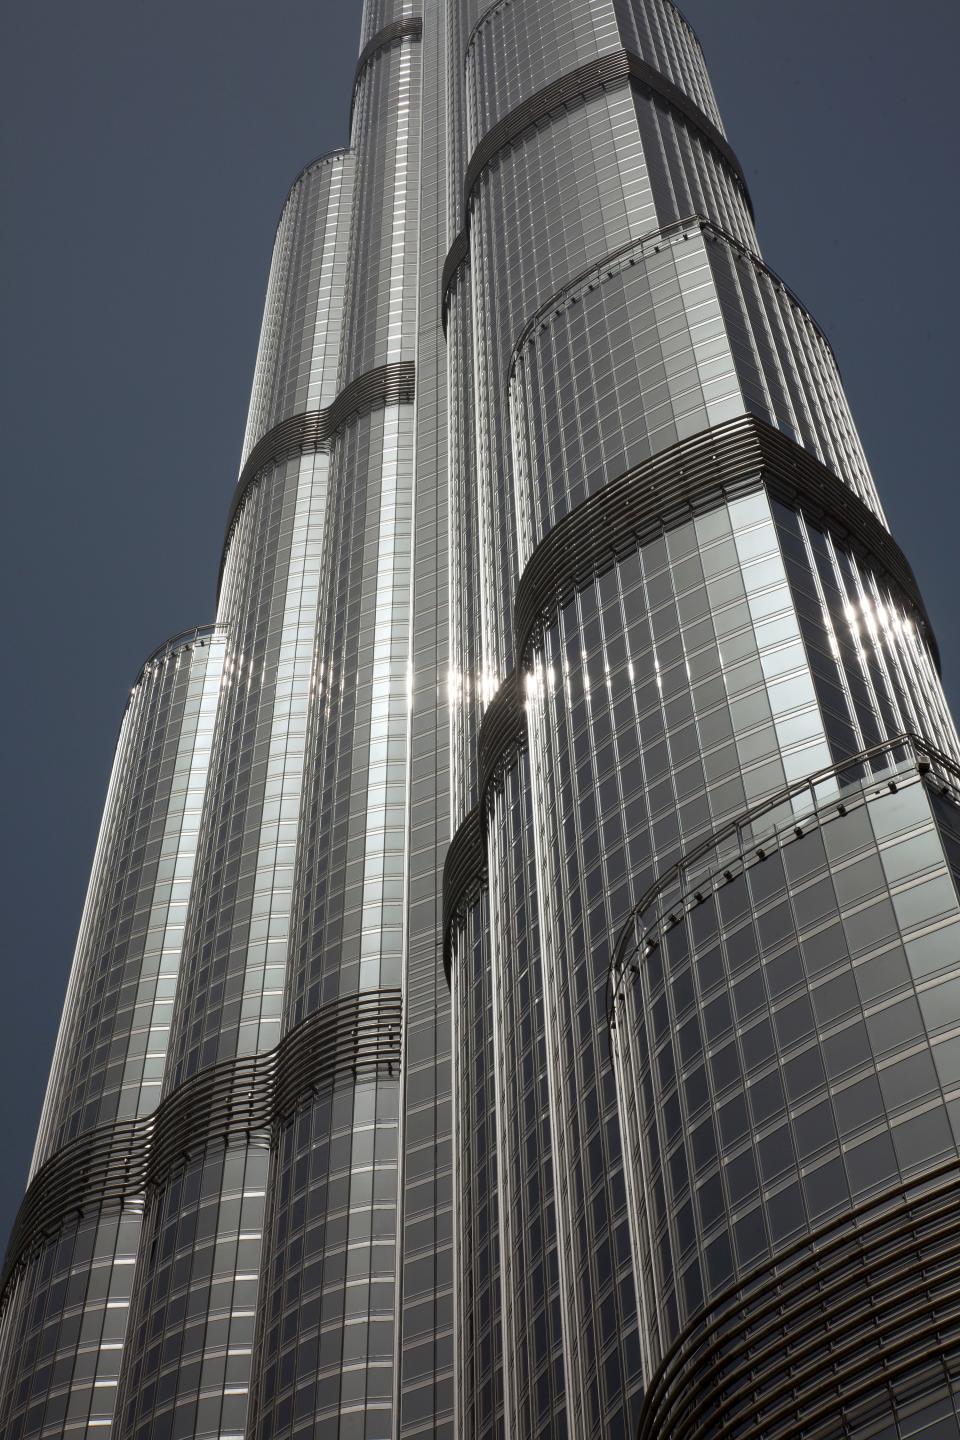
x,y
101,1170
457,255
409,28
313,429
694,475
464,877
691,477
620,67
502,734
617,68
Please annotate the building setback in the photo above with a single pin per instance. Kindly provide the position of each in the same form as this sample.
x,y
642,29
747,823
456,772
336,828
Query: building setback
x,y
518,992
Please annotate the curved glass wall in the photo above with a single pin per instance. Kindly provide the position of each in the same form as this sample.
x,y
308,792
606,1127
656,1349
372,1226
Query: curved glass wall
x,y
297,358
469,690
536,1361
783,1011
328,1330
230,1000
65,1320
702,333
515,50
116,1024
425,1321
658,32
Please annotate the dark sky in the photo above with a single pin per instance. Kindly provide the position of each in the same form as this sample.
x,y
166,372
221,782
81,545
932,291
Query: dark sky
x,y
147,146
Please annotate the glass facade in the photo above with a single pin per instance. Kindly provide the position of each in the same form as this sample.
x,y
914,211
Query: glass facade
x,y
517,993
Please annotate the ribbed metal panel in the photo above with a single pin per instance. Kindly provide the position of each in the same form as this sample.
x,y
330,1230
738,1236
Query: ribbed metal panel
x,y
311,430
880,1282
464,874
694,475
358,1034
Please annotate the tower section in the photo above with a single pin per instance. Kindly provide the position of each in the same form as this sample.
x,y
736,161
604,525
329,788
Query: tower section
x,y
69,1268
197,1283
329,1335
679,600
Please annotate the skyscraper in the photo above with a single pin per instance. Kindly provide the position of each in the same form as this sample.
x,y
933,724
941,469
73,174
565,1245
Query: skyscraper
x,y
517,993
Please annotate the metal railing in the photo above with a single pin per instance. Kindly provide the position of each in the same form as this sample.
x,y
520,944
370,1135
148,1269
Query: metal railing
x,y
183,638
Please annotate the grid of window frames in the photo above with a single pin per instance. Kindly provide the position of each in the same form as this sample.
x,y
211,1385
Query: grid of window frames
x,y
329,1346
566,193
298,355
187,1359
667,698
369,657
569,192
690,321
678,333
326,1357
